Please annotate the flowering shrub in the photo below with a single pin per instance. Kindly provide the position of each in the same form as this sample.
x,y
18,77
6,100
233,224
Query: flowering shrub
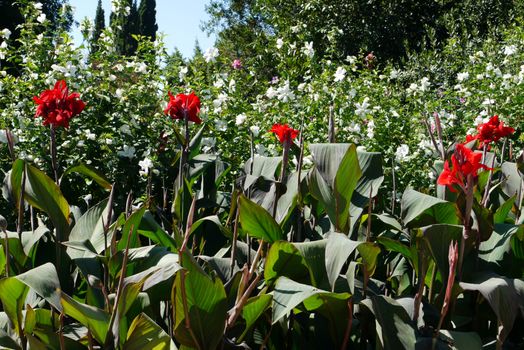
x,y
160,231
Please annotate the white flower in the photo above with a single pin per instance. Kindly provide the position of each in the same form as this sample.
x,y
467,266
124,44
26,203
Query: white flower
x,y
284,93
510,50
271,93
488,101
90,135
371,129
351,59
6,33
141,68
255,130
424,84
402,153
220,100
41,18
240,119
211,54
218,84
462,76
221,125
125,129
308,49
182,73
280,43
119,93
127,152
38,5
340,74
362,109
145,165
393,74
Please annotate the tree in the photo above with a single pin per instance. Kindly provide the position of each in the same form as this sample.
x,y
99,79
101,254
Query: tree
x,y
147,18
125,25
99,25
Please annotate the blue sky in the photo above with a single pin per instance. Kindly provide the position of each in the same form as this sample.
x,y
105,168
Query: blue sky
x,y
179,20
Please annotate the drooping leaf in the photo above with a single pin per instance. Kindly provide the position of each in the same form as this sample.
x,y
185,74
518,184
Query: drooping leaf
x,y
369,252
44,281
394,329
13,293
338,249
254,308
90,227
258,222
144,333
288,294
420,210
504,295
439,238
284,259
95,319
205,300
129,231
90,172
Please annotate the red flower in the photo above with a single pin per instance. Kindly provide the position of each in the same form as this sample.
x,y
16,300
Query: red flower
x,y
57,106
492,131
464,162
183,106
284,132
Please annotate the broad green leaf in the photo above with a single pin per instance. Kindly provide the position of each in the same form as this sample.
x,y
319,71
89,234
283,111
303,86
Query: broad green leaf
x,y
289,294
314,253
327,158
338,249
95,319
206,302
129,231
42,193
144,333
254,308
151,229
420,209
321,191
267,167
504,295
463,340
502,212
214,220
284,259
90,172
393,325
439,238
395,246
6,342
512,184
494,249
13,293
256,221
369,252
345,183
44,281
90,227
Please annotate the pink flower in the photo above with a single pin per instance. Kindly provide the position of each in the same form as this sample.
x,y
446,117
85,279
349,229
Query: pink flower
x,y
237,64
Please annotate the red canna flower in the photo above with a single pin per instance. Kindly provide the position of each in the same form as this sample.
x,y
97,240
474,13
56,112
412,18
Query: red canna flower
x,y
57,106
493,131
464,162
184,105
284,132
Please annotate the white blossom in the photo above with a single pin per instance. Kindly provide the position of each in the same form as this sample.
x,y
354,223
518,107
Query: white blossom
x,y
255,130
402,152
340,74
221,125
362,109
127,152
240,119
6,33
280,43
308,49
284,92
211,54
145,165
371,129
510,50
182,73
41,18
424,84
462,76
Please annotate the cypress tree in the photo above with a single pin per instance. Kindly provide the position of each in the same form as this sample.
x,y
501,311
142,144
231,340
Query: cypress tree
x,y
147,18
124,27
99,25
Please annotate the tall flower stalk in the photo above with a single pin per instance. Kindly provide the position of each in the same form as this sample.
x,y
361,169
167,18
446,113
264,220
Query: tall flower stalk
x,y
285,135
463,174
